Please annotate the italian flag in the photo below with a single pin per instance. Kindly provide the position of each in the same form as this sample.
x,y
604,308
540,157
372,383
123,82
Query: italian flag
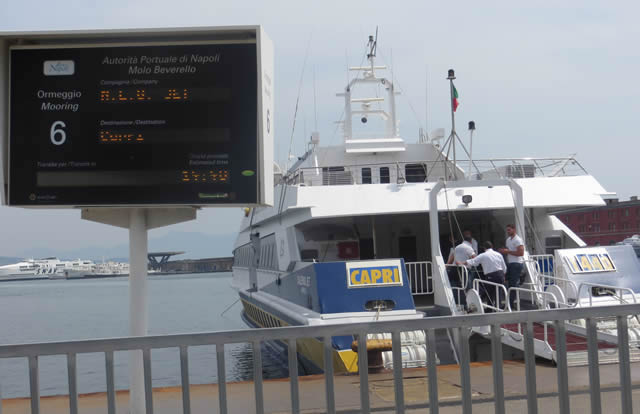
x,y
455,98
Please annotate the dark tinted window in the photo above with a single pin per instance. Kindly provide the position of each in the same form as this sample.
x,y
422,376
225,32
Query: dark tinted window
x,y
384,175
415,173
366,176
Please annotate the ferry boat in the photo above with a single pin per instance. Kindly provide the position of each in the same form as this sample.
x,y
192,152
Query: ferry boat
x,y
357,229
23,270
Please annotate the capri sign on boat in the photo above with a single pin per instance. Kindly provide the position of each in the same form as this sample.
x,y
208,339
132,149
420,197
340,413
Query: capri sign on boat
x,y
374,273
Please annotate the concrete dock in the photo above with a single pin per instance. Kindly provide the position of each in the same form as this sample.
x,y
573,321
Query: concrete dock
x,y
204,398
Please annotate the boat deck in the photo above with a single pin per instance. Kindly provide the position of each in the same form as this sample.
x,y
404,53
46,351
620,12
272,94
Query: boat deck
x,y
204,398
575,342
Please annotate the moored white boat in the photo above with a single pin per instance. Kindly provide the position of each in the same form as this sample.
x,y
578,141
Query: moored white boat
x,y
24,270
354,236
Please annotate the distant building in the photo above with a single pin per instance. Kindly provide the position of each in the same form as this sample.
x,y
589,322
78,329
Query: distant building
x,y
217,264
604,225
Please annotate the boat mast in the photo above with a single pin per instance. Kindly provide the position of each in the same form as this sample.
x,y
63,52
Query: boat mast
x,y
451,76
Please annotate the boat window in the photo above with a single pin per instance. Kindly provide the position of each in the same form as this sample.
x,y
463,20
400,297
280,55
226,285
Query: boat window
x,y
366,175
415,173
384,175
552,244
243,255
309,255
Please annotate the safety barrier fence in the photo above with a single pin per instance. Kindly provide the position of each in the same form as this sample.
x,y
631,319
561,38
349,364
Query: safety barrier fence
x,y
460,325
420,276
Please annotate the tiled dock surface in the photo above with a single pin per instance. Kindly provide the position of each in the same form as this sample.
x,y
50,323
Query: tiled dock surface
x,y
204,398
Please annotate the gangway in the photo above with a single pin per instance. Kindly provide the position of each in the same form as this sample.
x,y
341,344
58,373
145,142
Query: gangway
x,y
548,291
570,278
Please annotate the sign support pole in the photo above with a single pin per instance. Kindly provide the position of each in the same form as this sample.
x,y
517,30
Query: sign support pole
x,y
138,303
139,220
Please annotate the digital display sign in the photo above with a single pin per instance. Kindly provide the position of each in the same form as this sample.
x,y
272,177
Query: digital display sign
x,y
139,124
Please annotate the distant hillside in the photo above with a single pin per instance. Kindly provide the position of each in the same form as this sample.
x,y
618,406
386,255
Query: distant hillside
x,y
195,245
9,260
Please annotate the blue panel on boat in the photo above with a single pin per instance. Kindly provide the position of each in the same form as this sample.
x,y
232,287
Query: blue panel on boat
x,y
335,296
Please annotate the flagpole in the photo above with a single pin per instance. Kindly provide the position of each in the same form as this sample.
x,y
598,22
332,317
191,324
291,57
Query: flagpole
x,y
472,127
451,76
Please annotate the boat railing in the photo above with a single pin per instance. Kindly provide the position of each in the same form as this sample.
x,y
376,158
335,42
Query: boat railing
x,y
432,171
619,292
420,276
500,292
543,264
546,297
574,291
568,287
460,326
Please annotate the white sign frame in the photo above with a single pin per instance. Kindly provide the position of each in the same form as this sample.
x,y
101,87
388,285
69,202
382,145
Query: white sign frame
x,y
226,34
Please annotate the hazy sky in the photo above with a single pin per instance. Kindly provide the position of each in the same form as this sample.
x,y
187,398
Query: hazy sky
x,y
546,79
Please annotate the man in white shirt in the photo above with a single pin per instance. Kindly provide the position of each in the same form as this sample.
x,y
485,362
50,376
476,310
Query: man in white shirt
x,y
461,253
515,260
493,267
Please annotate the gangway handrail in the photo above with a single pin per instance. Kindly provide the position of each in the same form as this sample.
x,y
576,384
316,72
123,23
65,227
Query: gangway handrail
x,y
536,282
461,325
568,282
544,294
533,291
499,286
463,276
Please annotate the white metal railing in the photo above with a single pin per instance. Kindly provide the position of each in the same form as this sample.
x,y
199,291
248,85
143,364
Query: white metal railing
x,y
544,295
420,276
613,289
544,264
545,305
568,287
499,288
430,171
573,291
462,325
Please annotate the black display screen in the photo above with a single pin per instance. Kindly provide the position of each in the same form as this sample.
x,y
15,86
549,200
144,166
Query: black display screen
x,y
134,125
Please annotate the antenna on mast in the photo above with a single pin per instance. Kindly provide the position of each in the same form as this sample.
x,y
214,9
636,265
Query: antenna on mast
x,y
373,45
450,142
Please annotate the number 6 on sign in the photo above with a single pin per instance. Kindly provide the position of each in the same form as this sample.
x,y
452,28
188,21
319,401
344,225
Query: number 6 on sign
x,y
62,136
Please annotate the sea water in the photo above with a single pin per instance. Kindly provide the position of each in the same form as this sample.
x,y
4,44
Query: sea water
x,y
63,310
